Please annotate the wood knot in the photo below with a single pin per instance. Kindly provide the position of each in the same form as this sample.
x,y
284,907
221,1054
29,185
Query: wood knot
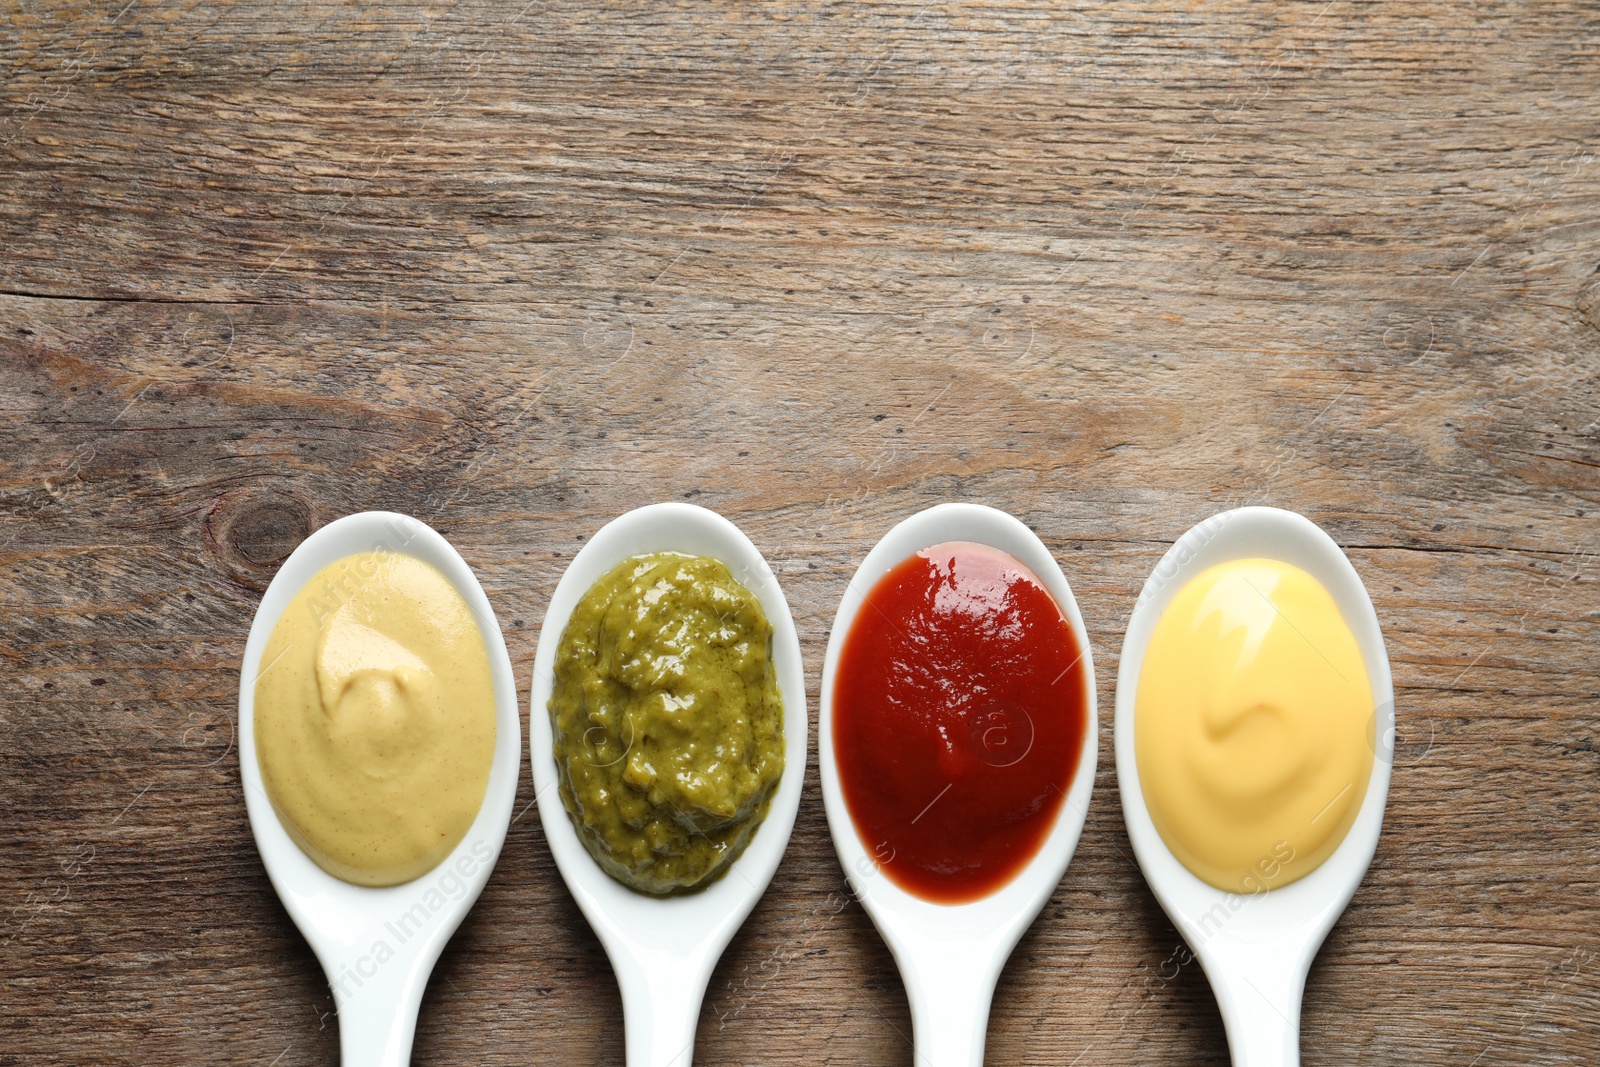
x,y
251,531
1589,300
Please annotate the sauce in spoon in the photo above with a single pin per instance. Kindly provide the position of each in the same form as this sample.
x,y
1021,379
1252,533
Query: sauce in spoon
x,y
374,719
959,710
1256,940
378,944
950,954
663,948
1251,725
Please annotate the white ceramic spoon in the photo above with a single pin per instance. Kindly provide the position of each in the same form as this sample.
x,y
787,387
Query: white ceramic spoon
x,y
663,949
950,956
1256,949
378,946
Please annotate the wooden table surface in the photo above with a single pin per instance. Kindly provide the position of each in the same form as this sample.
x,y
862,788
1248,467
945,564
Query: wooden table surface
x,y
517,268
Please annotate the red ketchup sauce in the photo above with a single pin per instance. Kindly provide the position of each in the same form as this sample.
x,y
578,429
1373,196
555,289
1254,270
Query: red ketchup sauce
x,y
959,706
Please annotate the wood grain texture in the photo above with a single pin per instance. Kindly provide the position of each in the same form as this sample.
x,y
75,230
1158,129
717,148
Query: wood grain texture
x,y
515,269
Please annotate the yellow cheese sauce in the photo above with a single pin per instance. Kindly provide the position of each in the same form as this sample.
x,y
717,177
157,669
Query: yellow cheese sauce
x,y
1253,725
375,718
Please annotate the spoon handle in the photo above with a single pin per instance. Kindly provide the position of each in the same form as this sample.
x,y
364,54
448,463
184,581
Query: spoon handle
x,y
1259,997
949,1013
378,1012
660,1009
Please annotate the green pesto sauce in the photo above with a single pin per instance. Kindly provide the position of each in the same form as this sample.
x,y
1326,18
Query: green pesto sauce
x,y
667,719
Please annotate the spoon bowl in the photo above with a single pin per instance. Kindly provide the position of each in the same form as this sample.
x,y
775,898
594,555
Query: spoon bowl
x,y
663,949
950,955
378,945
1256,949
